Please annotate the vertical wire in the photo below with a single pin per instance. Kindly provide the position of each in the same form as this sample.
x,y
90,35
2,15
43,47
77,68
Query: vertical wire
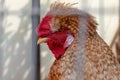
x,y
119,30
1,37
82,38
101,17
35,47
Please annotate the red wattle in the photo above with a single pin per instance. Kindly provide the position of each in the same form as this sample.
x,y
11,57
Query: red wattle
x,y
56,43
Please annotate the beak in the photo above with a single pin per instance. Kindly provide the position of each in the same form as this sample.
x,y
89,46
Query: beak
x,y
41,40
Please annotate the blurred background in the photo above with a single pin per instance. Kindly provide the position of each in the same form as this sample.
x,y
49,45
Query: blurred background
x,y
21,58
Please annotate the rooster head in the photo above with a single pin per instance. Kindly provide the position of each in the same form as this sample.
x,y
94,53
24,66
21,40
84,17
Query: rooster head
x,y
59,27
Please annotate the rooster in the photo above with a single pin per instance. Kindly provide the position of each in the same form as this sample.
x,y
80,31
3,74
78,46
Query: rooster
x,y
80,53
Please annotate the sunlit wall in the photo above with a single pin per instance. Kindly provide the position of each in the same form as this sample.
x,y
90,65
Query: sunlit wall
x,y
16,57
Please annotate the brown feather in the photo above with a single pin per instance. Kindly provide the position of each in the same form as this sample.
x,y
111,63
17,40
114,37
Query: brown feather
x,y
88,57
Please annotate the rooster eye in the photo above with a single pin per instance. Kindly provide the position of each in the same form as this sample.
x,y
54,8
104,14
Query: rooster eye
x,y
59,30
69,32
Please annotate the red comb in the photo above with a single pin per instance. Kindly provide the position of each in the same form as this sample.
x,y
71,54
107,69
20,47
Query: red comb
x,y
43,28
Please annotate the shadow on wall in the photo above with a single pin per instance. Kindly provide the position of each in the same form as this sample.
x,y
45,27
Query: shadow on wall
x,y
15,47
